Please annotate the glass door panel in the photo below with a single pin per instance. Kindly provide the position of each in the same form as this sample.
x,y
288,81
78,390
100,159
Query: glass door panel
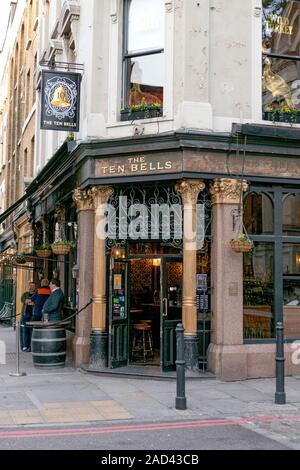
x,y
118,317
171,310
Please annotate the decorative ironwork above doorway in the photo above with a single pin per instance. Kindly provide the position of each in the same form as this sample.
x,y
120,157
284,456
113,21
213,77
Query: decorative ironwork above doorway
x,y
145,213
153,213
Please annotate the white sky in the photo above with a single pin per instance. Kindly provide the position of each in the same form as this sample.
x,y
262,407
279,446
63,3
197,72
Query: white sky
x,y
4,9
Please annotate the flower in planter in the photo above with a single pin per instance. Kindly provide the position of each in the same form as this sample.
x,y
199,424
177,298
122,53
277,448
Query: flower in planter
x,y
243,238
145,109
30,255
62,247
242,244
280,112
63,242
20,258
43,246
43,250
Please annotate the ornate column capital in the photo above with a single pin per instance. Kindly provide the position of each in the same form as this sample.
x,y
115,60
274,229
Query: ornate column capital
x,y
101,194
227,190
83,199
189,190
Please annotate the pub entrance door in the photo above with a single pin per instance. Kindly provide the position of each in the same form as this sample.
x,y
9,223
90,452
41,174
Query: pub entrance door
x,y
118,351
171,309
144,290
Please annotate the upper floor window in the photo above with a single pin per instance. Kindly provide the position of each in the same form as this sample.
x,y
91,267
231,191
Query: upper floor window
x,y
281,60
143,57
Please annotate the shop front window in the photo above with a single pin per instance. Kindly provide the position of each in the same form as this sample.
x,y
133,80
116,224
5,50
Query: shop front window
x,y
291,259
143,59
281,60
258,214
291,215
291,290
259,292
291,308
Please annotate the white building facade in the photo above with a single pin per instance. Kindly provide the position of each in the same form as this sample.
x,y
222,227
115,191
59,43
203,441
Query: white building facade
x,y
193,101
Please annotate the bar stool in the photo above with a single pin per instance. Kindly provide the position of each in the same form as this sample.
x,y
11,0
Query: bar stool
x,y
142,340
149,323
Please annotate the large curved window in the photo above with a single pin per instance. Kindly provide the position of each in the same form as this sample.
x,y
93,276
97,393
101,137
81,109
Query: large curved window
x,y
291,215
258,214
259,292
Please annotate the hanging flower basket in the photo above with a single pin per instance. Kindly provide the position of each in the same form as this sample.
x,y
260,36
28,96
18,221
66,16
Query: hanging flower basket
x,y
242,244
30,257
20,259
62,247
44,251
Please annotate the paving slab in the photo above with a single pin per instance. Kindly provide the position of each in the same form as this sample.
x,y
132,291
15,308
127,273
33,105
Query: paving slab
x,y
70,396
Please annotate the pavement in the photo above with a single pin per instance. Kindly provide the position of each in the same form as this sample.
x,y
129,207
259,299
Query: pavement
x,y
69,396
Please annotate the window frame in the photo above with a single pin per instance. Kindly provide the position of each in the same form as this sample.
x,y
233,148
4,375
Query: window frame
x,y
288,57
126,56
278,239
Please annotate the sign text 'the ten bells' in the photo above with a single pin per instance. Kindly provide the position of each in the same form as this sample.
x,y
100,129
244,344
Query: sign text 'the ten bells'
x,y
60,101
138,165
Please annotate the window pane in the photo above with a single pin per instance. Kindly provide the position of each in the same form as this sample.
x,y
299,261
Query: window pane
x,y
146,25
291,258
118,291
146,79
291,215
291,309
258,214
259,292
281,27
280,85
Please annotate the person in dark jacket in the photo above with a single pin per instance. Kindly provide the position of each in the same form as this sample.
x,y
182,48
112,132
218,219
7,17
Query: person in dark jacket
x,y
27,302
53,307
39,300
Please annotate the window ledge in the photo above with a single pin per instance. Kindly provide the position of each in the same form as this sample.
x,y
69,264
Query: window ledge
x,y
260,341
269,129
138,121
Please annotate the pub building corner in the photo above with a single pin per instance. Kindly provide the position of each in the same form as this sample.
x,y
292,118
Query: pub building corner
x,y
142,288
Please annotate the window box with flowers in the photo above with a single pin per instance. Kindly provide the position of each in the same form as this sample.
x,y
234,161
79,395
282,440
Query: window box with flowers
x,y
141,111
280,112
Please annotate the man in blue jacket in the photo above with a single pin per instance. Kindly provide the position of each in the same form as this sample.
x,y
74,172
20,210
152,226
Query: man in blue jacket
x,y
39,299
53,307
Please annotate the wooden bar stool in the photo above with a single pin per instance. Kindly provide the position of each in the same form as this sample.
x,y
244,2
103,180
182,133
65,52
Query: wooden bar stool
x,y
142,340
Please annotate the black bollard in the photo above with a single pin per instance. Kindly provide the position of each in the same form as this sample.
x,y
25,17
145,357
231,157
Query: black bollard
x,y
180,402
280,397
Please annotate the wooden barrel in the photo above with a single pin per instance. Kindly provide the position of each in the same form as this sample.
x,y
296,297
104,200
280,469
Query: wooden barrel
x,y
49,346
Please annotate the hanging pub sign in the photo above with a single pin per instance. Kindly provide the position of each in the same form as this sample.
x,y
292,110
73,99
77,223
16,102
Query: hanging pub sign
x,y
60,101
